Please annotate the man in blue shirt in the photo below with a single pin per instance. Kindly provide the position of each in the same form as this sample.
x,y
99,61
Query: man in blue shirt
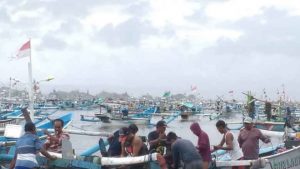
x,y
27,147
184,151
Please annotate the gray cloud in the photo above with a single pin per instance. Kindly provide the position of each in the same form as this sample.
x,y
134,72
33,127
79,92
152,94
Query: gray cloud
x,y
71,25
138,9
272,33
128,33
265,56
199,15
51,42
70,8
168,31
4,17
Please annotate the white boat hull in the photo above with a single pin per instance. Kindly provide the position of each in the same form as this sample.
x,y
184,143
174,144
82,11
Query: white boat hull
x,y
289,159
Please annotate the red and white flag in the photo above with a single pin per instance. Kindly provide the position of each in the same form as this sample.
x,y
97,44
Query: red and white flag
x,y
24,51
193,88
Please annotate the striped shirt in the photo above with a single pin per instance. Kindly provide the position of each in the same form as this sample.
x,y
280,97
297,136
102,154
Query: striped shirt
x,y
27,147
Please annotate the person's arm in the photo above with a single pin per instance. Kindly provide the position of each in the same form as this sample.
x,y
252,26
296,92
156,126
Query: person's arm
x,y
240,140
51,138
26,114
222,141
175,155
46,145
229,142
219,146
152,141
39,147
46,154
263,138
123,152
137,145
13,162
203,143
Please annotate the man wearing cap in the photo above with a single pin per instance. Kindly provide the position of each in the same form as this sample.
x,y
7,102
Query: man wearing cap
x,y
158,137
249,140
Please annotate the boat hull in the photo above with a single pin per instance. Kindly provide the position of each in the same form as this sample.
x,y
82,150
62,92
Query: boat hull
x,y
289,159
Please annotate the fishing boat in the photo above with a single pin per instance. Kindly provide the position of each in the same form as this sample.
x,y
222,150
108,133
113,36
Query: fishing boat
x,y
117,118
6,118
287,159
91,162
4,122
107,119
188,109
276,129
44,123
282,156
68,160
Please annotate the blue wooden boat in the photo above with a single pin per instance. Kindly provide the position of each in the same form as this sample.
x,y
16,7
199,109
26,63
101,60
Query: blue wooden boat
x,y
142,118
86,160
279,160
90,162
45,123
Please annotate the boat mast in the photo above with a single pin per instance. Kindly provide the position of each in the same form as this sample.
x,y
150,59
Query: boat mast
x,y
31,101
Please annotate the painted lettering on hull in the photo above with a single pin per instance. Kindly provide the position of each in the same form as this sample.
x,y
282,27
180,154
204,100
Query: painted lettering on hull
x,y
286,163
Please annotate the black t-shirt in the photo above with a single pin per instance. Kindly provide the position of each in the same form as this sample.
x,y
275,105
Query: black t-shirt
x,y
114,145
159,148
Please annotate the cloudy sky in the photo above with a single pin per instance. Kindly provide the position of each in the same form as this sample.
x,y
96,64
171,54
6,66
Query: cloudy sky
x,y
151,46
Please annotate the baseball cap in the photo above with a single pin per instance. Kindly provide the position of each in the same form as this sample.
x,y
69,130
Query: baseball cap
x,y
248,120
124,131
161,123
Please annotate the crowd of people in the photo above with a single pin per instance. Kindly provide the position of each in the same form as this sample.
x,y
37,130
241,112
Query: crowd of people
x,y
173,152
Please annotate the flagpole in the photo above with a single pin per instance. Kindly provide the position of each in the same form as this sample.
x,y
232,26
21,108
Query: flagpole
x,y
9,92
31,101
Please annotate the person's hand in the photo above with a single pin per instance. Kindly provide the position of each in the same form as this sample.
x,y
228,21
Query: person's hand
x,y
46,132
268,140
24,109
217,147
53,157
162,136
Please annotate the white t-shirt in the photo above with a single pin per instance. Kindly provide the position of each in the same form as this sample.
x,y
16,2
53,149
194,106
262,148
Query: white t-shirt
x,y
236,153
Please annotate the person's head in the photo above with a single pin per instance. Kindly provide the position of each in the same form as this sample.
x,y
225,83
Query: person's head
x,y
248,123
161,126
288,111
133,128
30,127
221,126
196,129
171,137
58,125
123,133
